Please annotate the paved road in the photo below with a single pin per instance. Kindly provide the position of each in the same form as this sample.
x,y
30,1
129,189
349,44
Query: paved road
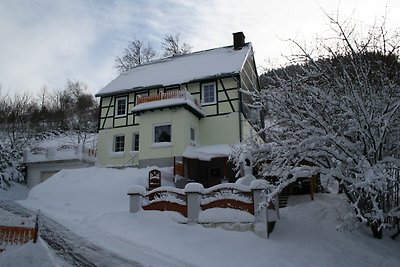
x,y
72,248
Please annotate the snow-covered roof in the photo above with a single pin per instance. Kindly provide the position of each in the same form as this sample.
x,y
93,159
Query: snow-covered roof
x,y
206,153
180,69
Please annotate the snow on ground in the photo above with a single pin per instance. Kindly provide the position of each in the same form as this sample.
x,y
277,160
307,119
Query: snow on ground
x,y
93,202
14,192
28,255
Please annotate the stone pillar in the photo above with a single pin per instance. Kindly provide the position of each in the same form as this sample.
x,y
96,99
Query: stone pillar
x,y
79,151
26,154
193,196
135,198
260,206
51,152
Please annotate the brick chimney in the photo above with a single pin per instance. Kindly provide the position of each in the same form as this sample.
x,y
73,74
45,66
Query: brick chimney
x,y
238,40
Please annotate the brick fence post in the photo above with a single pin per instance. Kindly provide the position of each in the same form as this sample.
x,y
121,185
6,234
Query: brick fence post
x,y
193,192
135,198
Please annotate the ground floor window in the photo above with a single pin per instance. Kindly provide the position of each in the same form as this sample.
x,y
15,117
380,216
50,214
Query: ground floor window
x,y
162,133
192,135
119,143
135,142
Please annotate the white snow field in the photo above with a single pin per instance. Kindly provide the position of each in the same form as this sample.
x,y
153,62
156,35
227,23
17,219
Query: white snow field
x,y
93,202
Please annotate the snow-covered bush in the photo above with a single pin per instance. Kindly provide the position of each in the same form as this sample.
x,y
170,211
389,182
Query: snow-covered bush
x,y
10,167
338,115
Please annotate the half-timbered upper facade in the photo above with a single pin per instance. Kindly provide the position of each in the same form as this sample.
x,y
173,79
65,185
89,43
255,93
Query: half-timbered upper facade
x,y
156,111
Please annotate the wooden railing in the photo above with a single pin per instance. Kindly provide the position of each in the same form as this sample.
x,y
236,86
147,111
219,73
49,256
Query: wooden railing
x,y
165,200
194,198
177,94
226,197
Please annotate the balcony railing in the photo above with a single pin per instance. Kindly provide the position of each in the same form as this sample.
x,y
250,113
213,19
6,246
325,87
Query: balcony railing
x,y
177,94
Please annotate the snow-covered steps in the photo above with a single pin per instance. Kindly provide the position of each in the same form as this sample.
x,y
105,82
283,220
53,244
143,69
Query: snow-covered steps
x,y
283,201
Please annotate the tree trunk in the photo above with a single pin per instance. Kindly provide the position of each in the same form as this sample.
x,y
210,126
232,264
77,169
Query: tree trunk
x,y
376,230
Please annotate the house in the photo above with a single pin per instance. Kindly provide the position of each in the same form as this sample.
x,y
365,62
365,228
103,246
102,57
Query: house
x,y
184,111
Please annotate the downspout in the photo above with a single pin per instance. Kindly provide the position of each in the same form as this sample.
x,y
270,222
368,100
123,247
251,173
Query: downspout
x,y
240,110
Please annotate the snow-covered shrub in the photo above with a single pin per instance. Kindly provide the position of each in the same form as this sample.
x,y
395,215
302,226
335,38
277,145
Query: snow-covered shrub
x,y
10,167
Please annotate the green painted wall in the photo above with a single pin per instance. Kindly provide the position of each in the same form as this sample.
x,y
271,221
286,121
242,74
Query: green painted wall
x,y
105,142
180,119
220,129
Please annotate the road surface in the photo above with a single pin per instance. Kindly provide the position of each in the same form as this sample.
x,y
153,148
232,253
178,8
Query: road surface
x,y
70,247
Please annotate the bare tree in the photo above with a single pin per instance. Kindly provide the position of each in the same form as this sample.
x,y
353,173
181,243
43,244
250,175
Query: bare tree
x,y
172,46
137,52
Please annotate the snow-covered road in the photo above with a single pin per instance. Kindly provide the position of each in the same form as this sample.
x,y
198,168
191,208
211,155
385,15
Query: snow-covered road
x,y
68,246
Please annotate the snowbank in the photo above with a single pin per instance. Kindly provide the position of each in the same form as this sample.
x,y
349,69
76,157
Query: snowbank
x,y
14,192
28,255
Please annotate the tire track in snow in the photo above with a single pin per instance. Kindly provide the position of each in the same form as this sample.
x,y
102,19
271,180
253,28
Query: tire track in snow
x,y
67,245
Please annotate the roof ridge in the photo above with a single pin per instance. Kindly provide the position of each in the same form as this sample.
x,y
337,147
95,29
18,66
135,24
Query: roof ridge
x,y
164,59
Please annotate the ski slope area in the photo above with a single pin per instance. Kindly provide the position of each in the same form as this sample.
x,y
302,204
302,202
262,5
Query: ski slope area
x,y
93,203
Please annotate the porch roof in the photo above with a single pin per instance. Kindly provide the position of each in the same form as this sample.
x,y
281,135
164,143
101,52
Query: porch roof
x,y
206,153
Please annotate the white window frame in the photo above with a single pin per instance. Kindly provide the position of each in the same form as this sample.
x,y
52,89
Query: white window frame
x,y
134,141
154,132
203,93
115,143
121,98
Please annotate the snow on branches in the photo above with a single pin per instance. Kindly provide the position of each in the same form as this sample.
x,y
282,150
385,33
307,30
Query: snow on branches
x,y
339,116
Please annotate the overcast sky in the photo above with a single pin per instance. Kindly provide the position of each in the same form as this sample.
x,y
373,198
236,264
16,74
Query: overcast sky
x,y
47,42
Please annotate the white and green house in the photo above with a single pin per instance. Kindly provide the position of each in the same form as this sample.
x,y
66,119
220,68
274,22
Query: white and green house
x,y
183,111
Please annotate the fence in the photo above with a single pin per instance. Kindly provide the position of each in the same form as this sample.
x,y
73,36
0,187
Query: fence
x,y
11,235
177,94
194,199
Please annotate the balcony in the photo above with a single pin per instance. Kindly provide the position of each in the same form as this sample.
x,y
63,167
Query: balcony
x,y
168,99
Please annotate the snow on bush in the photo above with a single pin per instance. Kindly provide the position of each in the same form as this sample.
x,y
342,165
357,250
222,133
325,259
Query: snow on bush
x,y
10,165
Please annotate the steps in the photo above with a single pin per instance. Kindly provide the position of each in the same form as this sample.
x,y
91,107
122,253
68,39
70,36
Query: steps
x,y
283,201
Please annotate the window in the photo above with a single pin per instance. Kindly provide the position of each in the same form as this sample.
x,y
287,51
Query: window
x,y
120,106
209,94
162,133
192,135
119,143
135,142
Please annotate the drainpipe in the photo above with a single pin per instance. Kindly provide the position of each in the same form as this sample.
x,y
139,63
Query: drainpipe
x,y
240,110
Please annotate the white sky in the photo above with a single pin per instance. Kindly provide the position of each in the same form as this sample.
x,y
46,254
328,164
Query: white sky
x,y
46,42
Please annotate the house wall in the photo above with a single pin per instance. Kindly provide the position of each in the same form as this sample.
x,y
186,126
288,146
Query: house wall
x,y
105,142
181,121
222,129
226,121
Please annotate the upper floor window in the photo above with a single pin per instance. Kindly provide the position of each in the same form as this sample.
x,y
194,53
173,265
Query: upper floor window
x,y
119,143
135,142
162,133
121,106
208,93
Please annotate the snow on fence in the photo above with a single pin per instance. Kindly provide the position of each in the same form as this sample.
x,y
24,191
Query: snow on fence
x,y
58,153
11,235
194,199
